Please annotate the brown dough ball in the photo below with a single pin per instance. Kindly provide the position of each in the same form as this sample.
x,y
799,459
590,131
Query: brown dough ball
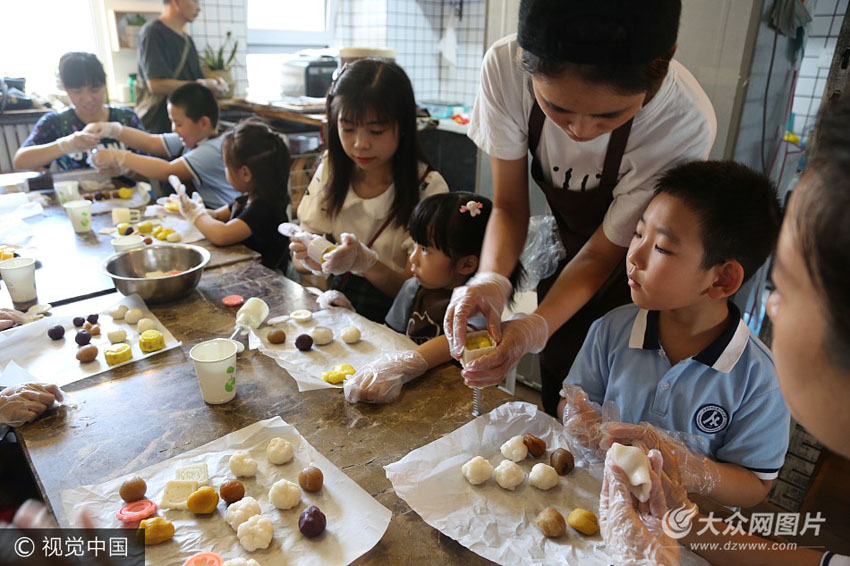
x,y
311,479
232,491
551,523
87,353
563,461
87,325
133,489
95,330
277,336
536,446
304,342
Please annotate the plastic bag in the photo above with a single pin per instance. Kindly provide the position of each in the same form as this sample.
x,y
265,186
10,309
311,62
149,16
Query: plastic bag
x,y
543,251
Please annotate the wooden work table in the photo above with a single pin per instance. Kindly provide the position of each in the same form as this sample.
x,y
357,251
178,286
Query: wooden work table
x,y
143,413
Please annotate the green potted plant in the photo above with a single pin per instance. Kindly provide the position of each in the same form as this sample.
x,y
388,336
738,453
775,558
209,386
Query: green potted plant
x,y
132,26
219,62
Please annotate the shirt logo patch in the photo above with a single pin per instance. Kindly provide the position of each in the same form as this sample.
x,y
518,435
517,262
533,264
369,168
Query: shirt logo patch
x,y
711,418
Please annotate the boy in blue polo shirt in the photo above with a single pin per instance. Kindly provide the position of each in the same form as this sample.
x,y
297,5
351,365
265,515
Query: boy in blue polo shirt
x,y
192,151
681,359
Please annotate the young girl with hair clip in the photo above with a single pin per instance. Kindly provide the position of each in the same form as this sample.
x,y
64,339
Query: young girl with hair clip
x,y
362,195
256,164
448,230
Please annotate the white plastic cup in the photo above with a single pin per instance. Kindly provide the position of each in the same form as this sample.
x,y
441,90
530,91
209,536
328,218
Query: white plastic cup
x,y
79,211
123,243
67,191
215,368
19,275
122,215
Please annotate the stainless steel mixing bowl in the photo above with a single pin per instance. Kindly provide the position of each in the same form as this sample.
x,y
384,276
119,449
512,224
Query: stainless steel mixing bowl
x,y
128,269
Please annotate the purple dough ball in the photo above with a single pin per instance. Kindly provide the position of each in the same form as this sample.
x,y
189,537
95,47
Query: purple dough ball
x,y
79,321
83,337
304,342
56,332
312,522
93,318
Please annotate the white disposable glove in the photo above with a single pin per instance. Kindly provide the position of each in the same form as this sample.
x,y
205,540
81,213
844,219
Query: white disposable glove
x,y
191,208
633,531
104,129
381,381
109,158
486,293
19,404
521,334
351,255
216,85
299,242
334,298
695,472
77,142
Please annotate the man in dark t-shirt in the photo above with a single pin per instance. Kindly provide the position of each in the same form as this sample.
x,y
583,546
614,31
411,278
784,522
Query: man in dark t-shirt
x,y
168,59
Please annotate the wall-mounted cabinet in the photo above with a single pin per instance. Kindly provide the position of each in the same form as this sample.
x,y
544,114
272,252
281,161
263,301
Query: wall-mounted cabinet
x,y
125,19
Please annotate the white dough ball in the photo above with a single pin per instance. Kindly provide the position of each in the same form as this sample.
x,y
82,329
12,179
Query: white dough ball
x,y
117,335
350,334
241,511
239,561
322,336
279,451
477,471
543,476
508,475
133,316
174,237
514,449
118,312
145,324
242,465
255,533
284,494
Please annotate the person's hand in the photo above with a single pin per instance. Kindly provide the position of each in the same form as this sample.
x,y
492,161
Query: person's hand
x,y
632,532
381,381
216,85
581,417
334,298
109,158
104,129
521,334
77,142
191,208
683,467
350,255
19,404
299,242
486,293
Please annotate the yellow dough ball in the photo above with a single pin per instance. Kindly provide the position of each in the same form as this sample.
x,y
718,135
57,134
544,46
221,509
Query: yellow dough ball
x,y
151,341
583,521
118,353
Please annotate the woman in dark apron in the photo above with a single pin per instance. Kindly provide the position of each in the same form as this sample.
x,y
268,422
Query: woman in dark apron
x,y
591,91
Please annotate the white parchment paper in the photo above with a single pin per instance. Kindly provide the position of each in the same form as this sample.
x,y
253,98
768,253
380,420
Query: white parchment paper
x,y
307,367
496,523
54,361
356,522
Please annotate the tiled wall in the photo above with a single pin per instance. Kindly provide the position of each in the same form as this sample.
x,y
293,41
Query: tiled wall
x,y
414,29
827,17
217,17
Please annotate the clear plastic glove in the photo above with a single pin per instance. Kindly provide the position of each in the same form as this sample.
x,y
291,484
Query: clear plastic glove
x,y
381,381
77,142
632,532
216,85
191,208
582,419
33,514
486,293
521,334
695,472
19,404
104,129
298,244
334,298
109,158
351,255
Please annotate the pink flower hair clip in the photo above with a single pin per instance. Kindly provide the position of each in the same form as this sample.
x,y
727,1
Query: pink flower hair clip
x,y
472,207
